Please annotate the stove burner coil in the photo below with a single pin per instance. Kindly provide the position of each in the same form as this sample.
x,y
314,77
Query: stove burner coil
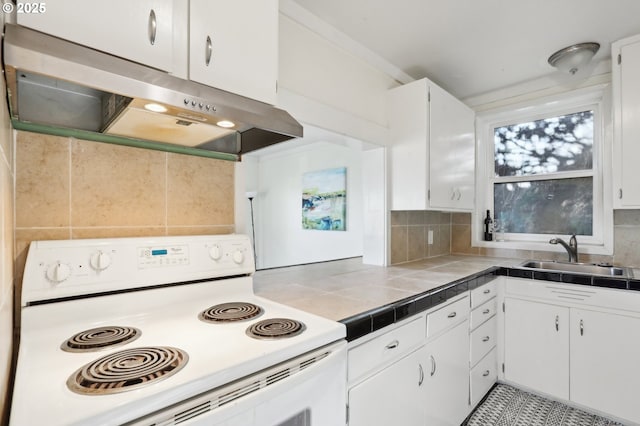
x,y
275,328
127,370
100,338
230,312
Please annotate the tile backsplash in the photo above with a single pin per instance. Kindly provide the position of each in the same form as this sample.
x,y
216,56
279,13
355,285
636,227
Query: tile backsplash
x,y
409,239
410,233
68,188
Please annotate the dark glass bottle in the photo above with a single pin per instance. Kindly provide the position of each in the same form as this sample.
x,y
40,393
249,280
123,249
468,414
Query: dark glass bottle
x,y
488,227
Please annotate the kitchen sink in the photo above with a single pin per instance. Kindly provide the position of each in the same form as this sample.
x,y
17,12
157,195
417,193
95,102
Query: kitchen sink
x,y
579,268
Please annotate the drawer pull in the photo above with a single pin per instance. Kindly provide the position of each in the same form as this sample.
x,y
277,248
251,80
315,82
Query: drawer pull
x,y
452,315
421,375
557,323
486,373
485,339
433,365
393,345
486,311
487,291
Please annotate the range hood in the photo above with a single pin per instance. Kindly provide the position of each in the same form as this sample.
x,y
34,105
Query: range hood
x,y
61,88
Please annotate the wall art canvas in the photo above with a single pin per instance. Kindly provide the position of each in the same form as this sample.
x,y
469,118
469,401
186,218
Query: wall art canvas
x,y
324,199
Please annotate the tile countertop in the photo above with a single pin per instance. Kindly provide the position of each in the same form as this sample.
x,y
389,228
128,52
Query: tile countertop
x,y
366,298
348,291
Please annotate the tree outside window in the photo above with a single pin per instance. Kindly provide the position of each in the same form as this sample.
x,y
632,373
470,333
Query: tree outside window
x,y
543,175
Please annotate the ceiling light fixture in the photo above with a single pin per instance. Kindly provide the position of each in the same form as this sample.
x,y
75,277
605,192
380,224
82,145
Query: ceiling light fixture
x,y
572,58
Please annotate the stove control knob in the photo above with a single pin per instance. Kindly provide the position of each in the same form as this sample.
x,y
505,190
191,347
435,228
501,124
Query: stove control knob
x,y
238,257
100,260
215,252
58,272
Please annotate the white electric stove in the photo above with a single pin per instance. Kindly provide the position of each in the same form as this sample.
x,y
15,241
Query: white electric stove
x,y
167,330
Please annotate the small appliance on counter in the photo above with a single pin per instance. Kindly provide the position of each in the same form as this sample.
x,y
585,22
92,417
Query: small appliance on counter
x,y
166,330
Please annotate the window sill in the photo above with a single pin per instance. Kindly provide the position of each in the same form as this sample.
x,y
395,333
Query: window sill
x,y
540,246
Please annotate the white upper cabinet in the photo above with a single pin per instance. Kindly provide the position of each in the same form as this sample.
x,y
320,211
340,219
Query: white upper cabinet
x,y
141,30
234,46
626,108
432,149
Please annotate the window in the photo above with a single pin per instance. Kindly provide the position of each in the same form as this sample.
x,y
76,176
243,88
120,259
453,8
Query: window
x,y
543,180
542,171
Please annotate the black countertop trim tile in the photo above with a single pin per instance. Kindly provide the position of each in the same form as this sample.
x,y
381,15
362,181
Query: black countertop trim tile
x,y
405,309
576,279
423,302
358,326
520,273
383,318
610,283
634,285
547,276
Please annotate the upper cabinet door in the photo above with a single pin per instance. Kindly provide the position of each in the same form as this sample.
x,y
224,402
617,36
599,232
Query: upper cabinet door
x,y
408,112
626,107
431,149
234,46
141,30
451,152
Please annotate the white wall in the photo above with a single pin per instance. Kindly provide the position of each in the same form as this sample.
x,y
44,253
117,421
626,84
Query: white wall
x,y
374,190
280,239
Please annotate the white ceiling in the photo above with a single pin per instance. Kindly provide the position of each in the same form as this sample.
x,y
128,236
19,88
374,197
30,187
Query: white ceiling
x,y
471,47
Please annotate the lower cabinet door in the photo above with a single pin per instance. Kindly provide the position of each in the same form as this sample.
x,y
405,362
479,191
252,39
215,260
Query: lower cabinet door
x,y
536,346
605,371
394,396
447,378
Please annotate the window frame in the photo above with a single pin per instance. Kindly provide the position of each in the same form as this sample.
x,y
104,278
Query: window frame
x,y
592,98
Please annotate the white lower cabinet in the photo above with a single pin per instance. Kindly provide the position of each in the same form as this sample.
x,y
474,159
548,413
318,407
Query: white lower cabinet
x,y
414,373
583,349
394,396
447,377
536,349
605,367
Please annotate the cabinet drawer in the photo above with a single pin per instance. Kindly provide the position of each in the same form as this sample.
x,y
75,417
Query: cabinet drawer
x,y
447,316
482,294
483,376
483,339
483,312
385,348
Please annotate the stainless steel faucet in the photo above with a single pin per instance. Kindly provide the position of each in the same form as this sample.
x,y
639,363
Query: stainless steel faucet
x,y
571,248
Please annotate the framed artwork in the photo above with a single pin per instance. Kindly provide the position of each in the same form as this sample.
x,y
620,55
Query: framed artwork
x,y
324,199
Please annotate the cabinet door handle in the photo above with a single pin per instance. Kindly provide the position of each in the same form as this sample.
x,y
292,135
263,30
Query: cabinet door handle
x,y
452,315
557,323
581,327
433,365
152,27
453,195
421,375
393,345
620,193
459,195
487,291
485,339
208,51
486,311
486,373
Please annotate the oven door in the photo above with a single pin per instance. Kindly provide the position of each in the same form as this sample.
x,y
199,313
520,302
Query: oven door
x,y
307,391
